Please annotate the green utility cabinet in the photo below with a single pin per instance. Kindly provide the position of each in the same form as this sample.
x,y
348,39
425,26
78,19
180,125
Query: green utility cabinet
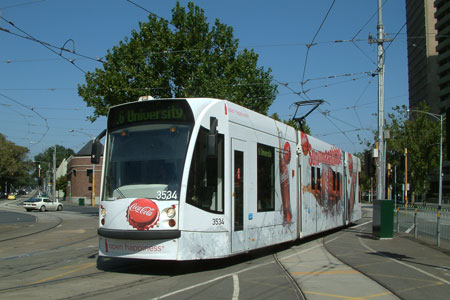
x,y
383,219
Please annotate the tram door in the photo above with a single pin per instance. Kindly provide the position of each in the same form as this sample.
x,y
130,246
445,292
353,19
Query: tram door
x,y
239,230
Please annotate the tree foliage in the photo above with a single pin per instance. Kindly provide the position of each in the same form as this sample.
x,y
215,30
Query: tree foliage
x,y
61,183
14,165
192,60
419,133
45,158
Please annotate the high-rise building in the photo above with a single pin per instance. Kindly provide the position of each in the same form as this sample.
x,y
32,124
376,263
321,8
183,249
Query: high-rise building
x,y
442,15
422,55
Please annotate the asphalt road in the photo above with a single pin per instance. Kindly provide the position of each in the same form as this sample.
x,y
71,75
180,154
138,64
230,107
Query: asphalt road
x,y
54,256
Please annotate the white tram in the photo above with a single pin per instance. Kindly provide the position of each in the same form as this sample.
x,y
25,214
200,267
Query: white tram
x,y
187,179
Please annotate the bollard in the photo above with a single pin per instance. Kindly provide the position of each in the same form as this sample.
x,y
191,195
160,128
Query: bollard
x,y
438,229
415,223
398,224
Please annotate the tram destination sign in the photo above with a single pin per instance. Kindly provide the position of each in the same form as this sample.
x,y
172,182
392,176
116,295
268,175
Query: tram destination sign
x,y
150,111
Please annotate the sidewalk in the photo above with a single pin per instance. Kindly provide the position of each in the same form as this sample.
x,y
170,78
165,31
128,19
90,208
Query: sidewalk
x,y
351,264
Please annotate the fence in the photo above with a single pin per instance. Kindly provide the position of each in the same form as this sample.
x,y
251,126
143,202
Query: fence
x,y
429,224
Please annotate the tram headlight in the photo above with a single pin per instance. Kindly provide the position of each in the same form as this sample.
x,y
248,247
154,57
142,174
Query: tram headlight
x,y
171,212
103,211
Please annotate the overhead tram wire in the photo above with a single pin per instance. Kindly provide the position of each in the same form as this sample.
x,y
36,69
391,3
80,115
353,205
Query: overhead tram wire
x,y
44,44
98,59
22,4
306,62
360,30
340,130
353,42
34,111
393,39
312,44
304,72
22,115
143,8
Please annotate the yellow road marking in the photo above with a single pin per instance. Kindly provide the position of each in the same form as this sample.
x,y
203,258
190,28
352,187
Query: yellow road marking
x,y
349,297
85,266
326,272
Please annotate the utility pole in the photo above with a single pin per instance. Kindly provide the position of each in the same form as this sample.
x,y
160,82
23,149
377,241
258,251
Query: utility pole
x,y
381,176
406,179
54,174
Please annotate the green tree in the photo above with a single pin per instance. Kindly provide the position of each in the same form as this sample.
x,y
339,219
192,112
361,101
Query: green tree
x,y
14,165
420,134
45,158
192,60
61,184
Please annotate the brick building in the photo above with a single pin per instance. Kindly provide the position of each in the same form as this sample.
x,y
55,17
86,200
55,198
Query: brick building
x,y
79,176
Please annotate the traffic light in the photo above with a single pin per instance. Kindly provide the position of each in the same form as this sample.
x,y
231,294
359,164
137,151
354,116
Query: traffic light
x,y
39,174
369,166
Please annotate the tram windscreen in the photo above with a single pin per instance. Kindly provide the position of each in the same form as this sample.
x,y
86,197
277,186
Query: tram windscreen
x,y
146,161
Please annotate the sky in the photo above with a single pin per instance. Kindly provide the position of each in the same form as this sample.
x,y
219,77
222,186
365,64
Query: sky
x,y
320,43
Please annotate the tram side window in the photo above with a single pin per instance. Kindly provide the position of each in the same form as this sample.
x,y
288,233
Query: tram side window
x,y
315,178
205,183
334,180
318,180
266,178
338,183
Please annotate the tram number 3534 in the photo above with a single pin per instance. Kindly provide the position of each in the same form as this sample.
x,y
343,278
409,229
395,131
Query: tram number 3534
x,y
218,221
166,195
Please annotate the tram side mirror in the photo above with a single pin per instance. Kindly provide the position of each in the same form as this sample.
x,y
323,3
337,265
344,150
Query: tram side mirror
x,y
212,138
97,148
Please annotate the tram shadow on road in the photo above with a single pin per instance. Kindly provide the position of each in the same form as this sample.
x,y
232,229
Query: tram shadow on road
x,y
174,268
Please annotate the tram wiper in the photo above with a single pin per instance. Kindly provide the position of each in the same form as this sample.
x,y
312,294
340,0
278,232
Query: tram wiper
x,y
120,193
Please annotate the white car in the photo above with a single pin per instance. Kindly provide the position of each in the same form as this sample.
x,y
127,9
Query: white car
x,y
42,204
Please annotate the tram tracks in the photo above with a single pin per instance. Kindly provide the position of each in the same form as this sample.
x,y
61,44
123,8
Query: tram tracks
x,y
129,284
298,291
46,228
120,277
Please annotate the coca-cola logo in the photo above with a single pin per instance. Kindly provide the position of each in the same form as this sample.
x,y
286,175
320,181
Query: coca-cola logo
x,y
142,214
148,211
306,147
287,153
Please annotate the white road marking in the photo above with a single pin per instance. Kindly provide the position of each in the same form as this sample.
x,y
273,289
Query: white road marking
x,y
235,287
234,274
405,264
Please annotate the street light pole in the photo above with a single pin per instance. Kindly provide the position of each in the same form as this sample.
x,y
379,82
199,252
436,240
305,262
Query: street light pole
x,y
54,174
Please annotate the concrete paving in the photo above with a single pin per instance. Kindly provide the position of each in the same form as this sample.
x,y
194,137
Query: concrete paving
x,y
352,264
